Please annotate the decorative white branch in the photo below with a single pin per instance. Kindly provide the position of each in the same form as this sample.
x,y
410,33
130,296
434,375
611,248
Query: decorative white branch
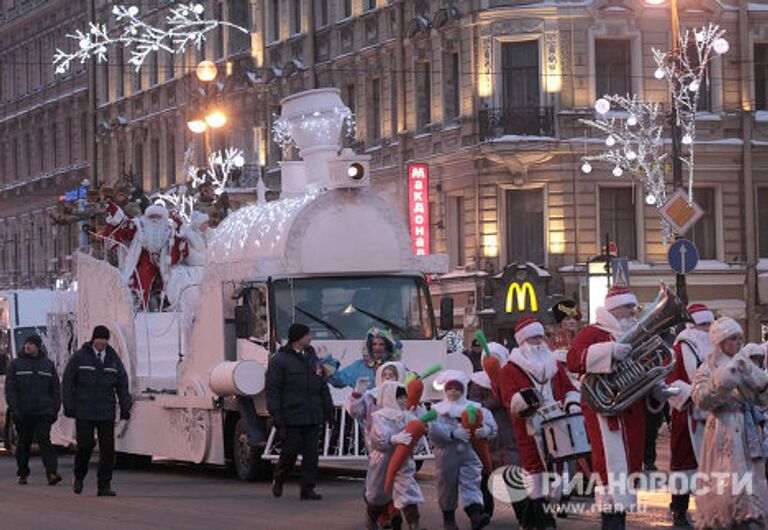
x,y
185,25
634,144
182,199
686,70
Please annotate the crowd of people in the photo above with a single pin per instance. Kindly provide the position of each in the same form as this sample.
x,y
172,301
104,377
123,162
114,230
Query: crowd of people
x,y
717,391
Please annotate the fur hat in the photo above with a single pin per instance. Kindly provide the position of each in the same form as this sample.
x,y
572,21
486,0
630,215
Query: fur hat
x,y
722,328
156,209
566,308
700,314
617,296
526,328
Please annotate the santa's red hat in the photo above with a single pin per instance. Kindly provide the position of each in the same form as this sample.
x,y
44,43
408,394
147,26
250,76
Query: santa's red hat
x,y
526,328
617,296
700,314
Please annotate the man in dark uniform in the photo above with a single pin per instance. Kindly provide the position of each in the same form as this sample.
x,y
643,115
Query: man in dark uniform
x,y
34,397
299,401
93,377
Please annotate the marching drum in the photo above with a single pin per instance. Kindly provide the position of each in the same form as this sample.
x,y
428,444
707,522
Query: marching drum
x,y
565,437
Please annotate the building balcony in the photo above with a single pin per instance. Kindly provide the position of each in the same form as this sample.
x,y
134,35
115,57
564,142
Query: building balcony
x,y
519,121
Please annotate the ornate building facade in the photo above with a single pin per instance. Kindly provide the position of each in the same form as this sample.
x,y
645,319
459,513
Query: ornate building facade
x,y
487,93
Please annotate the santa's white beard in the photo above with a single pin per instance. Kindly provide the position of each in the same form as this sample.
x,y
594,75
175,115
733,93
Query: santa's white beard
x,y
155,235
539,351
627,323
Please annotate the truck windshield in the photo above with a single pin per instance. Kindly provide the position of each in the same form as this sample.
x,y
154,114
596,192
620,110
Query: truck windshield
x,y
345,308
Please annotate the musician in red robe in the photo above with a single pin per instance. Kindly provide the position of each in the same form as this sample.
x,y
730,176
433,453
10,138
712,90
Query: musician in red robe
x,y
692,346
147,240
617,441
534,386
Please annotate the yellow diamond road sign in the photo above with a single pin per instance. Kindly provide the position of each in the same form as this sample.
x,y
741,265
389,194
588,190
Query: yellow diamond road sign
x,y
679,213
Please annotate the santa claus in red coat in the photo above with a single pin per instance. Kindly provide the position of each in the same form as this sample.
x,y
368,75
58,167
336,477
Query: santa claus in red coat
x,y
692,346
148,240
617,441
534,385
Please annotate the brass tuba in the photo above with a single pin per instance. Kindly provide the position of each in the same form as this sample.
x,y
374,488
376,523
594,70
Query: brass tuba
x,y
649,363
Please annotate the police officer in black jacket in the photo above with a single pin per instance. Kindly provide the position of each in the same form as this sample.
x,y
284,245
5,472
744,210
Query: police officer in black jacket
x,y
34,397
94,375
299,401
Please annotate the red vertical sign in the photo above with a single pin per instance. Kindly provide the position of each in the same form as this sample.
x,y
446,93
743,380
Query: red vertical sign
x,y
418,207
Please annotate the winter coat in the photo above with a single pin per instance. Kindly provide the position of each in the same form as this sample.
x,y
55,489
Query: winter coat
x,y
297,394
347,377
91,389
32,387
732,444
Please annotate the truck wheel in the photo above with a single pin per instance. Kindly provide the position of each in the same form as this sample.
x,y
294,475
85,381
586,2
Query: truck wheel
x,y
11,437
246,458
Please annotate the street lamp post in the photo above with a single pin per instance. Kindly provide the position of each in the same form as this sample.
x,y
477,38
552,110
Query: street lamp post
x,y
677,131
206,72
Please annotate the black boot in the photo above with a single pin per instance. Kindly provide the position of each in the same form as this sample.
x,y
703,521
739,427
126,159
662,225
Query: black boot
x,y
679,509
477,517
411,514
373,513
449,520
613,521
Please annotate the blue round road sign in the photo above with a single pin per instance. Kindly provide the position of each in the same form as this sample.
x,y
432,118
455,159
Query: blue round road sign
x,y
683,256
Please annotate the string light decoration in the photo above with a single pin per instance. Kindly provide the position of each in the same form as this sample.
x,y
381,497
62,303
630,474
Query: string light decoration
x,y
686,70
636,145
317,124
634,142
182,199
185,25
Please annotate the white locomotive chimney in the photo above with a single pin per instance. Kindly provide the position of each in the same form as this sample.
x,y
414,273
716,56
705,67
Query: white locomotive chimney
x,y
313,120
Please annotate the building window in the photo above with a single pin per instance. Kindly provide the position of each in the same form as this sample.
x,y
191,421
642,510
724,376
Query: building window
x,y
704,232
521,89
154,157
170,66
41,149
374,116
347,8
138,159
525,226
370,5
456,220
154,68
423,91
84,136
55,141
393,104
237,13
105,83
218,45
28,154
296,13
761,76
322,12
618,220
170,160
137,80
274,16
451,90
762,222
120,71
613,62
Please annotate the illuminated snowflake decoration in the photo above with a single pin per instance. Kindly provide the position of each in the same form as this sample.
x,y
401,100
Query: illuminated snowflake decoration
x,y
185,25
182,198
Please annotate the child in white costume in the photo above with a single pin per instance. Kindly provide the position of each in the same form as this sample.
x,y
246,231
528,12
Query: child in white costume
x,y
457,465
387,431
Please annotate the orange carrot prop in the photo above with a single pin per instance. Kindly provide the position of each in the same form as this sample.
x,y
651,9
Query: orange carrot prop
x,y
491,364
472,419
414,386
417,429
